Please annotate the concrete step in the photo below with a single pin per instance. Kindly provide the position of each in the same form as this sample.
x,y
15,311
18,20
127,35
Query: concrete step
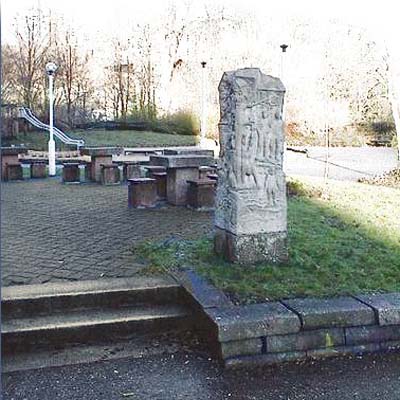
x,y
61,315
35,300
138,347
91,326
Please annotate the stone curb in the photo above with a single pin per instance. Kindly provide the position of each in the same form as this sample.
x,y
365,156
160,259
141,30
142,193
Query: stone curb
x,y
295,329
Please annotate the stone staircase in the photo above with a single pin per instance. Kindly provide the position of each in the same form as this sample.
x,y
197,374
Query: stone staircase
x,y
58,316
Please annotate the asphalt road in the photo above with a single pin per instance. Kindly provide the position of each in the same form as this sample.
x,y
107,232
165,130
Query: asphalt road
x,y
345,163
193,375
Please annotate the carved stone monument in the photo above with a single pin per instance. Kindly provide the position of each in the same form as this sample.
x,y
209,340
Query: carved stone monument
x,y
251,207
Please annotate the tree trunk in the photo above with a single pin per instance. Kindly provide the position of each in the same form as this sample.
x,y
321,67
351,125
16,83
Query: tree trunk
x,y
394,100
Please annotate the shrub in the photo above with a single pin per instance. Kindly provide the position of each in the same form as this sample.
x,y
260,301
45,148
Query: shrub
x,y
180,123
382,127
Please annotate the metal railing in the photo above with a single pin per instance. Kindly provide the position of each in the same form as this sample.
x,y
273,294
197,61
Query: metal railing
x,y
25,112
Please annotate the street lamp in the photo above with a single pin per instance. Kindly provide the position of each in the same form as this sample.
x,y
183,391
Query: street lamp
x,y
203,120
283,47
51,68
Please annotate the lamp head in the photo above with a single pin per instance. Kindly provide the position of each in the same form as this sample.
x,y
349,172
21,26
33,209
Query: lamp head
x,y
284,47
51,68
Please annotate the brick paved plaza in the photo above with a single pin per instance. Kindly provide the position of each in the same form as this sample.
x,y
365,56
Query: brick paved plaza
x,y
54,232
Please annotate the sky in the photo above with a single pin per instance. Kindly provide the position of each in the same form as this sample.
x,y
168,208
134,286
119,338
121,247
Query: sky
x,y
379,17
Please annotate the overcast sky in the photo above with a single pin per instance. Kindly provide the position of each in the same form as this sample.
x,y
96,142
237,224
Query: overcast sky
x,y
380,17
96,20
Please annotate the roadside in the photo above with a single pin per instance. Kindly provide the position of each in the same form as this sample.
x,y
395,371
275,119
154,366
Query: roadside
x,y
345,163
193,375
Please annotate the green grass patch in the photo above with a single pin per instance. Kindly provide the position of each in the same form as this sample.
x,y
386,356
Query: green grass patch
x,y
38,140
344,238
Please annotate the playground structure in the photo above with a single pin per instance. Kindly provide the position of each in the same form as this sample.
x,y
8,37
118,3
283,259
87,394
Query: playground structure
x,y
26,113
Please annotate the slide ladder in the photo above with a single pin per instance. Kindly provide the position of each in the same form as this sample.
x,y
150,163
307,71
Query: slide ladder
x,y
25,112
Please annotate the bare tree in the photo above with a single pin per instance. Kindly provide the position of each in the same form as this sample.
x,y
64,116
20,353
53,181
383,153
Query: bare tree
x,y
8,72
120,80
73,75
32,45
393,77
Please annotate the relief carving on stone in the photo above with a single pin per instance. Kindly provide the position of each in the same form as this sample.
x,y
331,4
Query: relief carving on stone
x,y
251,180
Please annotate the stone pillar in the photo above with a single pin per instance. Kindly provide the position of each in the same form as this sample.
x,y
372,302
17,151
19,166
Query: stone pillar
x,y
38,170
142,193
151,169
96,164
71,173
251,207
88,172
177,184
110,175
14,172
180,169
131,170
204,171
99,156
10,161
5,160
201,194
161,182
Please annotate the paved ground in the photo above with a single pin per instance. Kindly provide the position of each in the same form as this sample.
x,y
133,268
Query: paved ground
x,y
192,375
56,232
52,231
345,163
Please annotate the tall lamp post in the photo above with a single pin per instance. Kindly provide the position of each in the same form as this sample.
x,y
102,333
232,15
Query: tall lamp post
x,y
51,68
203,120
283,47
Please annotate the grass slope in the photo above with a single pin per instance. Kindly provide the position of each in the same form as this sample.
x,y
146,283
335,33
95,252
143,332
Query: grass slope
x,y
38,140
344,242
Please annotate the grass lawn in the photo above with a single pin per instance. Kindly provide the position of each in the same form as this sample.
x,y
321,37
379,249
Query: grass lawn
x,y
344,242
38,140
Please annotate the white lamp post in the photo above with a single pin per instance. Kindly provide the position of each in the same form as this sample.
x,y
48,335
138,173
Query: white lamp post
x,y
203,120
51,68
283,47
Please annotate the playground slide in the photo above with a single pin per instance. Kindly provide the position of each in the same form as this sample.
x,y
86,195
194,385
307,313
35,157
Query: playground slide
x,y
25,112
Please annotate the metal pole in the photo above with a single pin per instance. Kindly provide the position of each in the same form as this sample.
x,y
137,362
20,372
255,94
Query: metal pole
x,y
52,145
203,120
283,48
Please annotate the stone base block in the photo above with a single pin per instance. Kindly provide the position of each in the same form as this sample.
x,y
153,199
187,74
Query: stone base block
x,y
204,171
110,175
251,249
177,186
13,172
142,193
38,170
201,194
71,173
131,171
153,169
213,177
96,163
161,182
88,172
